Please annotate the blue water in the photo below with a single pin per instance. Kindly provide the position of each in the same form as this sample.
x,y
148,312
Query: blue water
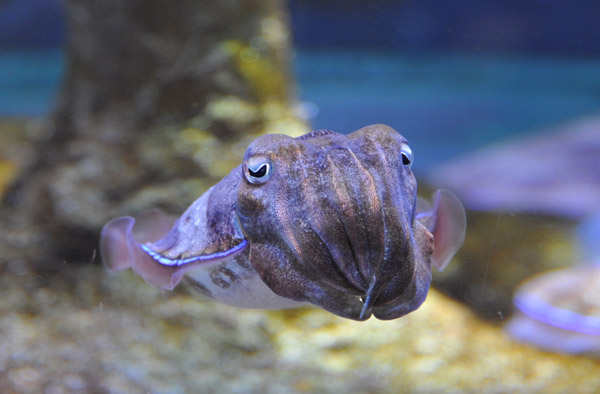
x,y
445,103
29,80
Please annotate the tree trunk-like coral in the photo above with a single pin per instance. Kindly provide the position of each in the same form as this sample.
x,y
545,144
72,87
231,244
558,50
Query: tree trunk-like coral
x,y
159,99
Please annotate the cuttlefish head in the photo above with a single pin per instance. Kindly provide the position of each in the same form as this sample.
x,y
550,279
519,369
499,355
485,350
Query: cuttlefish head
x,y
332,220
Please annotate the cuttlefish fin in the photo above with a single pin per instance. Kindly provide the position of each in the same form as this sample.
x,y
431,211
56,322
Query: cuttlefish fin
x,y
121,247
161,249
447,222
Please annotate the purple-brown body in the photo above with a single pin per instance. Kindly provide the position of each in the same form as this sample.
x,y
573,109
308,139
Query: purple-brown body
x,y
324,219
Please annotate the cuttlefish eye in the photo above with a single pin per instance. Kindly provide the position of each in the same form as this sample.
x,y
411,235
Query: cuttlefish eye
x,y
407,155
258,169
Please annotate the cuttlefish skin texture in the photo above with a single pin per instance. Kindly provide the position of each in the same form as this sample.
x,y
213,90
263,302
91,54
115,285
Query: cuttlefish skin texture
x,y
324,219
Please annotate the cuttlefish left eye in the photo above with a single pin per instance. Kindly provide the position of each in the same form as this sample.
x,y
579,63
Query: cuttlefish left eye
x,y
258,169
406,155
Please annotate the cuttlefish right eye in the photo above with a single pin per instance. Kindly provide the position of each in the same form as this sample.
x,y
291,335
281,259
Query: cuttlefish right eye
x,y
406,156
258,169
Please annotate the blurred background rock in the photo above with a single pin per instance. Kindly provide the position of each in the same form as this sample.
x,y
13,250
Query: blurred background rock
x,y
203,79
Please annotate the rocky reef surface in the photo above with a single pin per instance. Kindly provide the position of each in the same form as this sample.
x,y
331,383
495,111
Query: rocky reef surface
x,y
84,330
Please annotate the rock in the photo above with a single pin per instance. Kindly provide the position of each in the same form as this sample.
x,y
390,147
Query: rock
x,y
556,172
88,331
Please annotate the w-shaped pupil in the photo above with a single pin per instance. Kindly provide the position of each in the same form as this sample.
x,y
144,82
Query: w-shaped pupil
x,y
262,171
405,159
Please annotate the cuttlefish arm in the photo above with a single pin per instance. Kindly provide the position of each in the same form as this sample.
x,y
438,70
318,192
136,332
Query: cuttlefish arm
x,y
161,249
447,222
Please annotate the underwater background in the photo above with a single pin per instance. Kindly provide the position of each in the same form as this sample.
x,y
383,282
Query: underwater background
x,y
501,91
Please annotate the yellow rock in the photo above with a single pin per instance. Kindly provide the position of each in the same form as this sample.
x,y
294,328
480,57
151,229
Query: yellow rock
x,y
8,171
442,347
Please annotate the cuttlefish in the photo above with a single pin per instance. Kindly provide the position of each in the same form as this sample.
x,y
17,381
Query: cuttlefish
x,y
325,219
559,311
